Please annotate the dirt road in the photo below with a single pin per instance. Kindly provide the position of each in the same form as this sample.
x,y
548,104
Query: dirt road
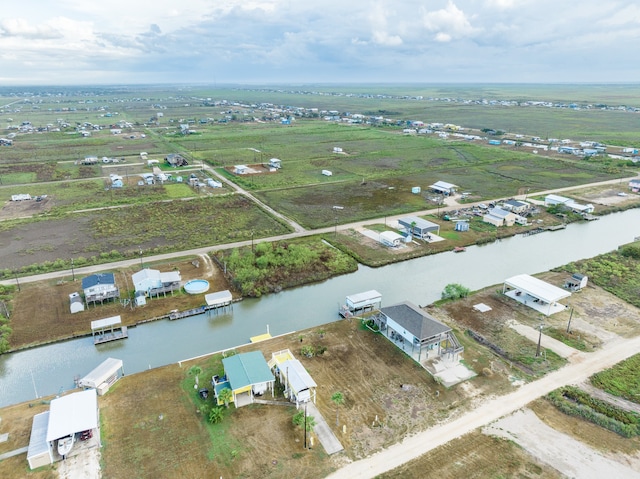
x,y
581,367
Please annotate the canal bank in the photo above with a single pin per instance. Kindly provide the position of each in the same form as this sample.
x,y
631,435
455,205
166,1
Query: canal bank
x,y
50,369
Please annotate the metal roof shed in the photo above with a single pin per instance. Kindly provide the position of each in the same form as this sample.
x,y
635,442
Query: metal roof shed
x,y
39,453
419,227
535,293
107,372
444,187
74,413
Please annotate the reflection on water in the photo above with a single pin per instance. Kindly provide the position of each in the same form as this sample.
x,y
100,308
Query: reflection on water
x,y
421,281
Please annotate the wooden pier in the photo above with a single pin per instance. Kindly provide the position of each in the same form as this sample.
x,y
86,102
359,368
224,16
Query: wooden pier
x,y
185,314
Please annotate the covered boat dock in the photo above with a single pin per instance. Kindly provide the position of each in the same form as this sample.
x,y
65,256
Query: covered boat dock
x,y
108,329
220,300
104,376
535,293
360,303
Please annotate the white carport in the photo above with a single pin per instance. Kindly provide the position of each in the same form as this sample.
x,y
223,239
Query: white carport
x,y
535,293
299,385
105,375
39,453
71,414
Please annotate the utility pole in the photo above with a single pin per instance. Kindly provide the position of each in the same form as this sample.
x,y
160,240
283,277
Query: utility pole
x,y
15,273
73,274
305,425
539,340
569,324
141,265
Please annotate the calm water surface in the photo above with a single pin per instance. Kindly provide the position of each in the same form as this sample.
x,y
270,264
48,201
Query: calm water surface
x,y
51,369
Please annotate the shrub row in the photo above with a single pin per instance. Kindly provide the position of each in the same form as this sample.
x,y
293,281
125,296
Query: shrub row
x,y
575,402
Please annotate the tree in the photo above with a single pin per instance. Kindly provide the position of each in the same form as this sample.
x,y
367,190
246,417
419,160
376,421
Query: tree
x,y
215,415
225,396
338,400
455,291
298,420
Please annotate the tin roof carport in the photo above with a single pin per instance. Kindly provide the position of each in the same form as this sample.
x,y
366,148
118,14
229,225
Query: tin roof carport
x,y
535,293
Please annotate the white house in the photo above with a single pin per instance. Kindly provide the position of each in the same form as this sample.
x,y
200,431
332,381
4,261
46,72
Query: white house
x,y
634,185
515,206
499,217
152,282
240,169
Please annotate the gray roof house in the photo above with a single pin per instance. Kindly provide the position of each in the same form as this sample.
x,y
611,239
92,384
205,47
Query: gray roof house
x,y
416,332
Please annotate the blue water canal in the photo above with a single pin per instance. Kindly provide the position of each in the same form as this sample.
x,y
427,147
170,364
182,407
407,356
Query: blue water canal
x,y
50,369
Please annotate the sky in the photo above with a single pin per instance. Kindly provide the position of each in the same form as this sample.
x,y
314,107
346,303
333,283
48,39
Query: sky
x,y
84,42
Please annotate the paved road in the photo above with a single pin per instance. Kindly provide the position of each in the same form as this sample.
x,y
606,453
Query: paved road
x,y
582,365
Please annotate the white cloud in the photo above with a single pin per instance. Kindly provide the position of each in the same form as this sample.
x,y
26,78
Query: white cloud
x,y
448,23
286,40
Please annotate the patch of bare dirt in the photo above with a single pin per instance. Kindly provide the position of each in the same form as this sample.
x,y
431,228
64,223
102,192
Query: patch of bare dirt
x,y
25,208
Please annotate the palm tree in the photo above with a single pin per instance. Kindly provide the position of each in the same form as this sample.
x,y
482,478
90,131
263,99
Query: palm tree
x,y
225,396
338,400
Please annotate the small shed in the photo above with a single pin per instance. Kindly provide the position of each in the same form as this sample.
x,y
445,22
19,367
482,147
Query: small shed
x,y
462,225
275,163
391,239
418,227
248,375
576,282
104,376
75,303
240,169
361,302
40,450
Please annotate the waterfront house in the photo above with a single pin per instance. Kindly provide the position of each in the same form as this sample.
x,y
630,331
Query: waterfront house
x,y
152,282
99,287
417,333
515,206
247,375
499,217
634,185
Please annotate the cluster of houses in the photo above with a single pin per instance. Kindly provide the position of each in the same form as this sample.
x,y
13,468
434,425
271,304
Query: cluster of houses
x,y
102,287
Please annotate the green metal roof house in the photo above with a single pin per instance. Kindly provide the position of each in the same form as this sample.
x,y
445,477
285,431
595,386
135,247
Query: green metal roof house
x,y
248,375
